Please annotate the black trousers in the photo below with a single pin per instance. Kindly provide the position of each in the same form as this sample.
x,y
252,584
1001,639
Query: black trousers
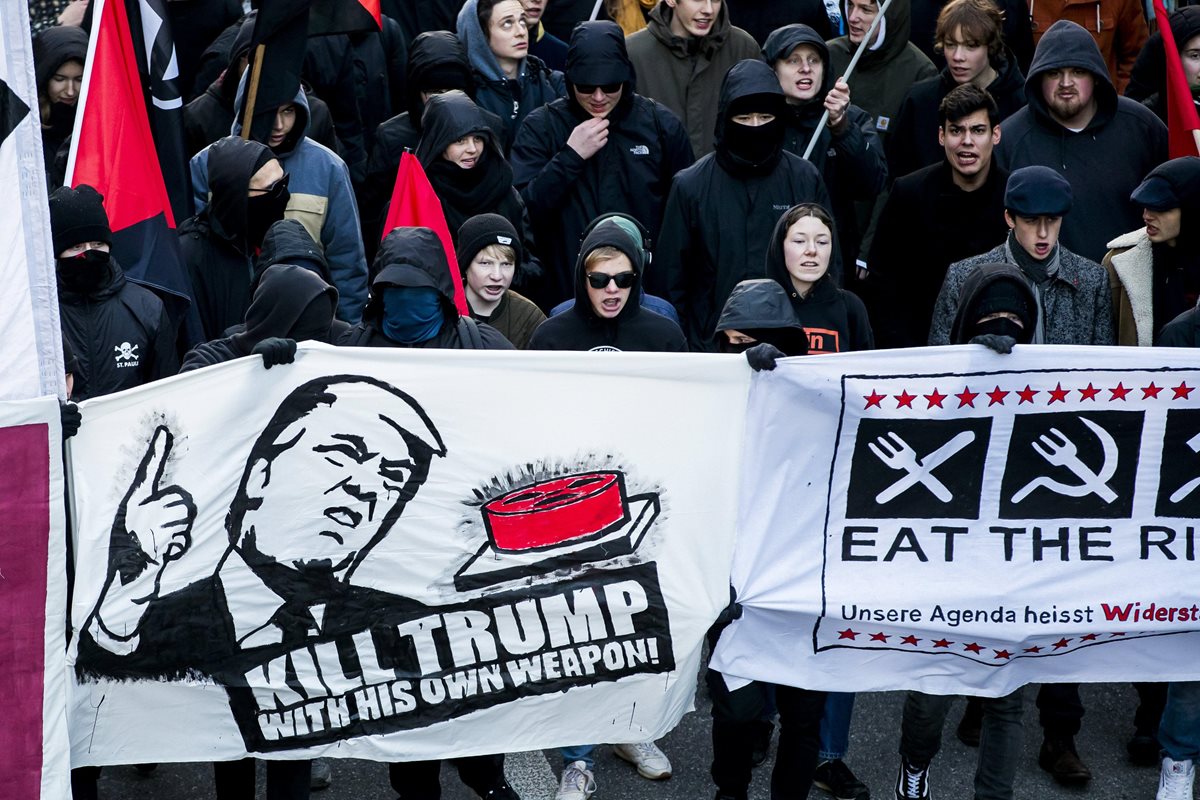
x,y
286,780
1060,711
421,780
735,715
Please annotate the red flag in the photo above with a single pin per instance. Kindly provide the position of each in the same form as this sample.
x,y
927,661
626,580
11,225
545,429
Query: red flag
x,y
112,150
1182,120
416,205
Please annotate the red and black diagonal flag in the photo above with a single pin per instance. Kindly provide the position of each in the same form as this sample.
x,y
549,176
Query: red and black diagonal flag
x,y
159,67
113,150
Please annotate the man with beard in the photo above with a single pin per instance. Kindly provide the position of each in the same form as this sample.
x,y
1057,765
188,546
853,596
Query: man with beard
x,y
721,210
955,209
601,149
1075,122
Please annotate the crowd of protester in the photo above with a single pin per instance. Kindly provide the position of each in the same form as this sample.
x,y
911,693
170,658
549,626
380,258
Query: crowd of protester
x,y
672,176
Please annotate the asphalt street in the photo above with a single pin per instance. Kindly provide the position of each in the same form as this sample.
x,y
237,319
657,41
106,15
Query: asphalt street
x,y
874,737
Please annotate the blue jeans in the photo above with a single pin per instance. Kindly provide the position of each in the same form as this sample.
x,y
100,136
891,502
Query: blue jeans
x,y
1179,732
835,725
580,752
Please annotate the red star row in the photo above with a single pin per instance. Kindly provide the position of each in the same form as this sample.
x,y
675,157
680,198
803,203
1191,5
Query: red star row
x,y
971,647
999,397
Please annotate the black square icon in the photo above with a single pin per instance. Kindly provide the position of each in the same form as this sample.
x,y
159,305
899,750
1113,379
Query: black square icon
x,y
1179,473
1077,465
917,469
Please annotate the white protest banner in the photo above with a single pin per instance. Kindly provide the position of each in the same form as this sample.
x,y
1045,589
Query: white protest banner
x,y
30,348
952,520
399,554
34,752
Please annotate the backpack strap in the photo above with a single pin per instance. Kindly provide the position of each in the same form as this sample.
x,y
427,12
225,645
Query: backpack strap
x,y
469,336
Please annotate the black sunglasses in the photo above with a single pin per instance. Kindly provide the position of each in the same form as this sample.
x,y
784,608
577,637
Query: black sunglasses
x,y
599,280
276,188
608,88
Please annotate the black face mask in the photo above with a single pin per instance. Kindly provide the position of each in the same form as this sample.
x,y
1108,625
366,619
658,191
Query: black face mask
x,y
754,147
314,321
264,210
62,119
726,346
1002,326
83,273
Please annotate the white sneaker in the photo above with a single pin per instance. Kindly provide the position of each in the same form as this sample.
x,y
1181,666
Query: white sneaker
x,y
651,762
576,783
1175,780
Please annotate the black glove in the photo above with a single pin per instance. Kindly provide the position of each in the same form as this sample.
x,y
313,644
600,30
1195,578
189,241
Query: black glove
x,y
994,341
71,419
763,356
734,609
275,351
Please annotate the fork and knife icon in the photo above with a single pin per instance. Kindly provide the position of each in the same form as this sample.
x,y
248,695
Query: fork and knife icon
x,y
897,454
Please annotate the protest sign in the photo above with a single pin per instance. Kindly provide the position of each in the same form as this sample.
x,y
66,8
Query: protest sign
x,y
955,521
399,554
33,739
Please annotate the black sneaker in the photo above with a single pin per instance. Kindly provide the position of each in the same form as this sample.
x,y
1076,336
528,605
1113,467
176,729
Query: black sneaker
x,y
1060,759
760,738
501,792
837,779
1144,750
913,782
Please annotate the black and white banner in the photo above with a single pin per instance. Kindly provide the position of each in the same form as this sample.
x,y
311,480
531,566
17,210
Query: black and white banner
x,y
953,520
399,555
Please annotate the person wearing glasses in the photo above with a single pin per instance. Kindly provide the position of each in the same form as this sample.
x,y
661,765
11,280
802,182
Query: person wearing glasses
x,y
601,149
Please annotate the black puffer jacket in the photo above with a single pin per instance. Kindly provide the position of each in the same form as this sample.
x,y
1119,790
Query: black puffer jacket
x,y
213,242
718,221
913,141
1104,162
834,319
120,334
631,174
282,296
52,48
634,329
414,257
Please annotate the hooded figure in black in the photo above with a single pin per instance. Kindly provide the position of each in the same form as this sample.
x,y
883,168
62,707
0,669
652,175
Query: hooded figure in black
x,y
487,187
996,300
851,161
834,319
630,174
412,300
290,302
633,329
1148,80
1104,162
760,310
52,48
721,210
219,244
289,242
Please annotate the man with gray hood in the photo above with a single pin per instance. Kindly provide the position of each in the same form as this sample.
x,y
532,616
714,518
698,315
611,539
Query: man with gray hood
x,y
1104,145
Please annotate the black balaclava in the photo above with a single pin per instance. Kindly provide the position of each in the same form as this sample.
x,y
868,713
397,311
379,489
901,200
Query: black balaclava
x,y
77,216
1002,296
752,149
265,208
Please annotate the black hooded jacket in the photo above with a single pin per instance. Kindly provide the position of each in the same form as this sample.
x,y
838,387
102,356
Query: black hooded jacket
x,y
718,222
631,174
1149,74
760,309
852,163
213,243
288,242
485,189
634,329
414,257
834,319
980,279
760,18
1104,162
913,140
120,334
52,48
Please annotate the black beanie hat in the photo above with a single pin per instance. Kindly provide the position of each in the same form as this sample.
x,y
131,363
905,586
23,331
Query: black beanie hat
x,y
77,216
482,231
1002,296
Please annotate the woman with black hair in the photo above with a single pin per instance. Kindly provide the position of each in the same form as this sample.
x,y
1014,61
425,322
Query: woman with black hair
x,y
58,57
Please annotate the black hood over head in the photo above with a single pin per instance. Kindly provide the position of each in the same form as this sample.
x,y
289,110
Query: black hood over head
x,y
896,30
776,267
977,286
783,41
1182,175
1068,44
228,82
55,46
412,257
288,242
448,118
232,161
597,56
436,60
284,294
1149,73
608,233
760,308
749,85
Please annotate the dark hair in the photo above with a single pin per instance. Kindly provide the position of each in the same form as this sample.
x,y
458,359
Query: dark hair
x,y
484,12
980,20
798,212
963,101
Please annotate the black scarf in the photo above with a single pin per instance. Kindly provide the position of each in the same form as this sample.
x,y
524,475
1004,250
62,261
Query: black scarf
x,y
467,192
751,150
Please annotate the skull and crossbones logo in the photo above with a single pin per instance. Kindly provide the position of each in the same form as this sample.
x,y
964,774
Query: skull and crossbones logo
x,y
126,351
